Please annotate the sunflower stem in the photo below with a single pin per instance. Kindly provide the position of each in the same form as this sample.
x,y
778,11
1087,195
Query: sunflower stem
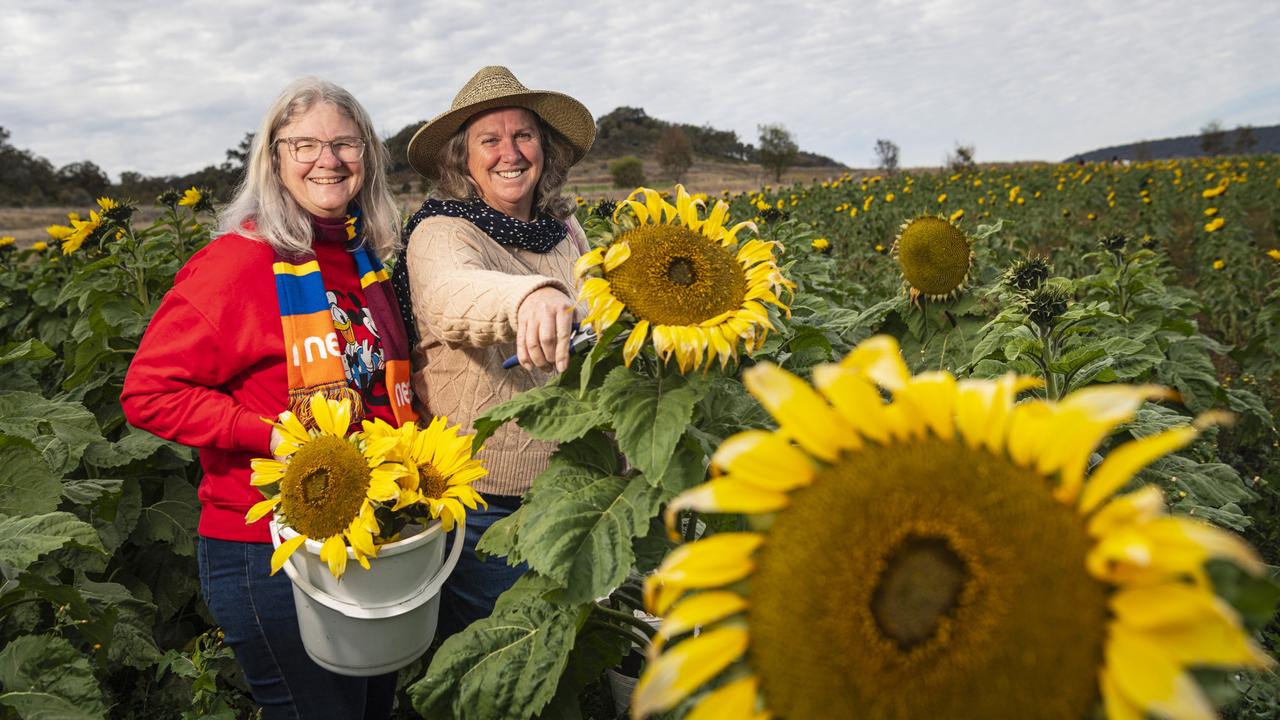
x,y
620,631
625,618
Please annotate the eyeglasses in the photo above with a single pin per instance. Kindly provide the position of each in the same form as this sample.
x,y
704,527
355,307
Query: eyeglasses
x,y
308,149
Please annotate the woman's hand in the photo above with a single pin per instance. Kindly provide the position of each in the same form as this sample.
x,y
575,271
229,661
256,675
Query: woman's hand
x,y
276,439
544,324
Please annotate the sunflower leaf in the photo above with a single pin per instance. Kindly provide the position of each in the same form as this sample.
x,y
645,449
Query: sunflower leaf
x,y
502,666
59,430
47,678
28,350
27,487
549,412
598,352
649,416
23,540
579,525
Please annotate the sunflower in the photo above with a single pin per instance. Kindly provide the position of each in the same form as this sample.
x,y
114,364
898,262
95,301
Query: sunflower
x,y
934,255
684,278
942,554
325,487
433,466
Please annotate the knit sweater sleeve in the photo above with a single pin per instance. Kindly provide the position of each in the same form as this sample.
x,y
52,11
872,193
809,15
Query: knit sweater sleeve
x,y
463,286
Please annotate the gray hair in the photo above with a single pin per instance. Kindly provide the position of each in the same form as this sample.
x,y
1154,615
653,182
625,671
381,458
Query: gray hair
x,y
264,210
454,181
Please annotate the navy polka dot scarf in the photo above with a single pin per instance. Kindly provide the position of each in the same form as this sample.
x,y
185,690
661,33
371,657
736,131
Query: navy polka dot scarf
x,y
540,235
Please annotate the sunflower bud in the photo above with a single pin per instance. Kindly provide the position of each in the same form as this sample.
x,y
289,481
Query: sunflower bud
x,y
1046,304
1027,274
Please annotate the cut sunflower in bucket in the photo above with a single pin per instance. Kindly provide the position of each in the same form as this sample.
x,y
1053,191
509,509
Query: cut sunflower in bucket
x,y
433,468
325,486
935,257
942,554
684,279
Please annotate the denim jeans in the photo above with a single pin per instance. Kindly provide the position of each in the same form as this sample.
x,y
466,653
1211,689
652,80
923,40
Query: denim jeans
x,y
474,586
257,614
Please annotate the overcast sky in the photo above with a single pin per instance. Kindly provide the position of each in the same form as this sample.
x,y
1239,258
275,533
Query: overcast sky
x,y
166,86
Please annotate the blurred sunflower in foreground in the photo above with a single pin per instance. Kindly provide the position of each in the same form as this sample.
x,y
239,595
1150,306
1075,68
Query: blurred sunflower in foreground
x,y
683,278
940,555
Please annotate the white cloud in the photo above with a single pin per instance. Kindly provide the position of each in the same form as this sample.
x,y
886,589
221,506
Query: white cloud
x,y
167,87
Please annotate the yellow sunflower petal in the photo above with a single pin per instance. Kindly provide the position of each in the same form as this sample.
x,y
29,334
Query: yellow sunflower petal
x,y
1189,623
1118,706
259,510
266,471
801,413
587,261
858,401
879,359
707,563
635,341
334,552
1153,681
684,668
764,459
725,496
292,428
695,612
1146,503
617,254
733,701
933,396
1125,461
284,550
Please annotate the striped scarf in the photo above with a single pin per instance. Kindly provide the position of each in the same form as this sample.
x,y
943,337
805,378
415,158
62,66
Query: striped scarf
x,y
313,356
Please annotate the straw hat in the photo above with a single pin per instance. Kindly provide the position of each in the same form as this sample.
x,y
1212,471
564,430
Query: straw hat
x,y
495,87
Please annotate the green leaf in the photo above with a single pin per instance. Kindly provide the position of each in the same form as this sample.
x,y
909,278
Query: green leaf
x,y
504,666
23,540
27,487
28,350
602,348
46,678
59,430
549,412
87,492
173,518
136,445
1077,358
649,416
132,642
579,525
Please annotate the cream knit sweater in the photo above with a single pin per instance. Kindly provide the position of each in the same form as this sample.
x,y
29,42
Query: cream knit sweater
x,y
466,291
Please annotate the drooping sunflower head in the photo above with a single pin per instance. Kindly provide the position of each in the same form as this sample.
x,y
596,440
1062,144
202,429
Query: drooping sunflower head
x,y
1027,273
935,257
941,554
325,487
683,277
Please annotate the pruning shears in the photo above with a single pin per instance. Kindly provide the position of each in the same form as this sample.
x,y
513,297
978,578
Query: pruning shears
x,y
579,341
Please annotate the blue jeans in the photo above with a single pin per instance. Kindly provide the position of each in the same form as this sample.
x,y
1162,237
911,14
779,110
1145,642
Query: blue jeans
x,y
474,586
257,614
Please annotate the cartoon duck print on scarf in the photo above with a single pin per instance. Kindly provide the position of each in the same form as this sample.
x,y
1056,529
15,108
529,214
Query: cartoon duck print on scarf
x,y
362,357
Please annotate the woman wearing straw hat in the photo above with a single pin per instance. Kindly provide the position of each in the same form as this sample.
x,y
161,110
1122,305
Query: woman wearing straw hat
x,y
488,273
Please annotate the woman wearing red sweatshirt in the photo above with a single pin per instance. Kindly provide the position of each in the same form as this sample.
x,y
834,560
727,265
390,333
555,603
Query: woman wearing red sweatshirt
x,y
290,300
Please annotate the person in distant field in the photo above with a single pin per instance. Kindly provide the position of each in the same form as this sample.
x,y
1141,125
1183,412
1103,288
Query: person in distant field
x,y
488,273
222,353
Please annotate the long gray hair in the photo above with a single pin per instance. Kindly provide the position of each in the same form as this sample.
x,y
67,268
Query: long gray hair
x,y
262,201
454,181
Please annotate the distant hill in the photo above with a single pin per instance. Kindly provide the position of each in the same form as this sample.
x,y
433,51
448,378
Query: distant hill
x,y
1265,140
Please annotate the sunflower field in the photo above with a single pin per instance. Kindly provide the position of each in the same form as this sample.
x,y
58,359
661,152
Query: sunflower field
x,y
997,442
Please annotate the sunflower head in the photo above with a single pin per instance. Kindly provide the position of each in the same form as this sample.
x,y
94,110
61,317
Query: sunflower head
x,y
935,256
684,278
939,554
433,468
1114,243
821,245
1047,303
1027,273
604,209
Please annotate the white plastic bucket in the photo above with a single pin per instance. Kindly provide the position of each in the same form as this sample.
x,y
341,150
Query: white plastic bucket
x,y
372,621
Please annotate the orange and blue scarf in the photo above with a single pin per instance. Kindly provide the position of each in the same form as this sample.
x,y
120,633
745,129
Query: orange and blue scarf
x,y
312,354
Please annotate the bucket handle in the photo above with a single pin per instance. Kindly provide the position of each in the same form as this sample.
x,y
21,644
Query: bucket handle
x,y
428,591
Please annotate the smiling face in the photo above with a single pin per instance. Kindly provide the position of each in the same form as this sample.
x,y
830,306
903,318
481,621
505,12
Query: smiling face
x,y
324,187
504,157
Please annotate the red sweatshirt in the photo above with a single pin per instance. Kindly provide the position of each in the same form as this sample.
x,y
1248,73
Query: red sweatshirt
x,y
211,365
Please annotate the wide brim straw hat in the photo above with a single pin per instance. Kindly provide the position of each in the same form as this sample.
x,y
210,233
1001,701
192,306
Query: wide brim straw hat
x,y
495,87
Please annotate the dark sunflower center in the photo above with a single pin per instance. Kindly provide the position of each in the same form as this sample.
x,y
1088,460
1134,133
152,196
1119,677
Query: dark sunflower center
x,y
934,256
918,587
681,272
430,482
926,579
675,276
323,487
